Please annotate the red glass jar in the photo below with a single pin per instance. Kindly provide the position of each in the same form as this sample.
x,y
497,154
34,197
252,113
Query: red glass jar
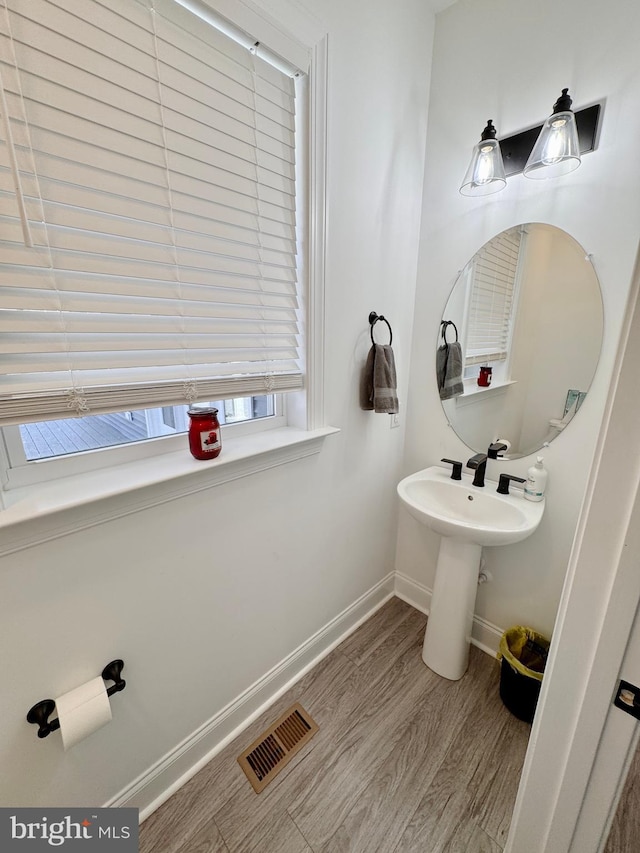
x,y
484,378
204,433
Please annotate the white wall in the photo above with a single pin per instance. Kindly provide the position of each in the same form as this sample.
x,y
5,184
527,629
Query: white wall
x,y
203,595
508,60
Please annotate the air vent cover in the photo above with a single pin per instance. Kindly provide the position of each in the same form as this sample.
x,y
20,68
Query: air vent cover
x,y
275,747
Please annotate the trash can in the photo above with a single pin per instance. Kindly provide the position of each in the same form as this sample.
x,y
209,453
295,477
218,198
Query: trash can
x,y
524,656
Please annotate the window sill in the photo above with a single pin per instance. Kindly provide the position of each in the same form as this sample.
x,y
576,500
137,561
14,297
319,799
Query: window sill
x,y
473,391
36,514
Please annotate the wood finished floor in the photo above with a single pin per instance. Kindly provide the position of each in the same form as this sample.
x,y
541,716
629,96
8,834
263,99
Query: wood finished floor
x,y
404,761
625,829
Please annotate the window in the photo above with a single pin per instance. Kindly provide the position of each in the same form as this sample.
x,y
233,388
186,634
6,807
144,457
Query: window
x,y
49,439
147,191
491,299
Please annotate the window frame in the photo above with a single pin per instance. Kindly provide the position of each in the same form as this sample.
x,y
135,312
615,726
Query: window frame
x,y
304,410
19,471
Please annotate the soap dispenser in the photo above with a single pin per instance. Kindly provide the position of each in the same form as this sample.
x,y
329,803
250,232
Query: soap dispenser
x,y
536,481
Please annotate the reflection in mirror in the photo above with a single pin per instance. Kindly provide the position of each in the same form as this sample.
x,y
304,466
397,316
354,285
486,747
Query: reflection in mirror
x,y
527,312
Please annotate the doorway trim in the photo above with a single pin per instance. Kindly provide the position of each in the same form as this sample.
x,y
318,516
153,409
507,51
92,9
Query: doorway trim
x,y
595,619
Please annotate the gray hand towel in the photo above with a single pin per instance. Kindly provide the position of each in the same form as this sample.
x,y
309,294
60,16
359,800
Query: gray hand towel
x,y
449,370
378,384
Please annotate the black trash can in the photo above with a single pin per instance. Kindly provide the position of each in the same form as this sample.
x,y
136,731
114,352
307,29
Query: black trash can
x,y
524,656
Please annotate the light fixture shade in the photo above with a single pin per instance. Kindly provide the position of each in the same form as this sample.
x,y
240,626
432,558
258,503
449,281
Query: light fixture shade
x,y
485,174
557,150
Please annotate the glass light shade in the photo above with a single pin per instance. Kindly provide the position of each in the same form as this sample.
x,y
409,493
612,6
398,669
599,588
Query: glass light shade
x,y
557,151
485,174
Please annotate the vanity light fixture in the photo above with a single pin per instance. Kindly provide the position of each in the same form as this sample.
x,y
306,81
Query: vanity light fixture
x,y
557,151
546,151
485,174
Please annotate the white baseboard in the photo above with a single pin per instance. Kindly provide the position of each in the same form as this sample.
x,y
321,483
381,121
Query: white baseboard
x,y
484,635
159,782
413,593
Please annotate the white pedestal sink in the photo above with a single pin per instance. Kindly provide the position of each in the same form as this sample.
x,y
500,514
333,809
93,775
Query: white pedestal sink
x,y
467,517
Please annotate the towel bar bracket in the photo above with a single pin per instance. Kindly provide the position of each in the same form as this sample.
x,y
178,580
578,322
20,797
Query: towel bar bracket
x,y
373,319
444,325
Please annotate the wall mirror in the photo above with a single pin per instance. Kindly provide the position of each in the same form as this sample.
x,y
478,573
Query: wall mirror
x,y
527,312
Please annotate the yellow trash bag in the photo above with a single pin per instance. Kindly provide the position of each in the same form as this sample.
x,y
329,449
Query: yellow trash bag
x,y
524,656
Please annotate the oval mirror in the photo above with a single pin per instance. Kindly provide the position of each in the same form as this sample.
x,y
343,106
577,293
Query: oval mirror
x,y
527,314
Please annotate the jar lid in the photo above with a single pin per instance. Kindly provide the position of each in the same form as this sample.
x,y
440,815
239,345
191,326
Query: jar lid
x,y
202,410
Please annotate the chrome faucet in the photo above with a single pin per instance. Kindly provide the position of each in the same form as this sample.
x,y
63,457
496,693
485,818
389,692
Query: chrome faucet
x,y
479,464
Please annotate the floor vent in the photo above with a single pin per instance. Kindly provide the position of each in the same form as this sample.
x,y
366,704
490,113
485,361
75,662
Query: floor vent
x,y
275,747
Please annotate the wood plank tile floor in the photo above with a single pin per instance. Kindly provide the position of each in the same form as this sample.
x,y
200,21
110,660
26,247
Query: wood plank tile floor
x,y
404,761
625,829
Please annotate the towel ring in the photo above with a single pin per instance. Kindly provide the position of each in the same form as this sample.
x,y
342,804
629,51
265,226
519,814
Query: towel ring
x,y
373,319
444,325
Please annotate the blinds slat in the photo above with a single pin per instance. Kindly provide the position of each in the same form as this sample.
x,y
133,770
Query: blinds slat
x,y
123,381
54,129
126,17
48,56
62,26
202,61
195,84
489,355
245,292
142,323
69,220
119,117
229,361
94,348
211,217
25,408
20,300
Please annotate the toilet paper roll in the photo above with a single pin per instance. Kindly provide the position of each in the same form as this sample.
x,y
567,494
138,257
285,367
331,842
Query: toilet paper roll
x,y
83,711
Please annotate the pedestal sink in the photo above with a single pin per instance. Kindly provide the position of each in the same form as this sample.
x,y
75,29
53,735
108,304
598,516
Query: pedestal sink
x,y
467,517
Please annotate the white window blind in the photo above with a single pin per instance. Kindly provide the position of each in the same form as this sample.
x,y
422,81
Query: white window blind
x,y
156,161
489,313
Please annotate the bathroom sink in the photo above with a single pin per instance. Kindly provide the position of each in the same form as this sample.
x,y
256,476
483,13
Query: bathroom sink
x,y
467,517
457,509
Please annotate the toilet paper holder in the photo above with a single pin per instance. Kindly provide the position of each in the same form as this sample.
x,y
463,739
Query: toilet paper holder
x,y
41,711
